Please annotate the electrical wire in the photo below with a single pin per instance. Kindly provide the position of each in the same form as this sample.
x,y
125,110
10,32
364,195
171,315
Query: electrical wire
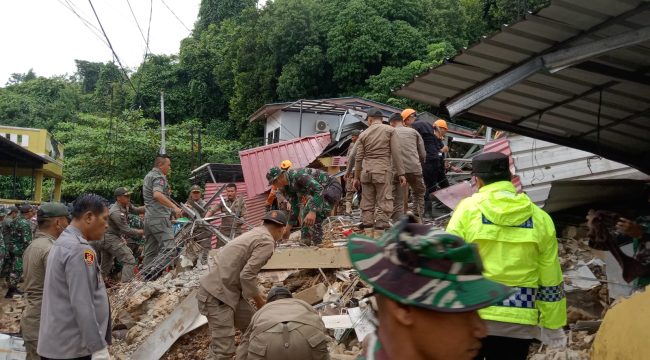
x,y
177,18
111,45
146,42
147,50
93,29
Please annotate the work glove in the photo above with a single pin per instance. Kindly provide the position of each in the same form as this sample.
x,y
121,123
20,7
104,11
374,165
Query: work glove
x,y
553,338
101,354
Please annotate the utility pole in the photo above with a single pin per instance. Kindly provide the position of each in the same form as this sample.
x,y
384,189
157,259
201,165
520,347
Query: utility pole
x,y
162,123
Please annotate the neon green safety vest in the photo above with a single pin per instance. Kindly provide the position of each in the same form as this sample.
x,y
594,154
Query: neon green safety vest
x,y
517,243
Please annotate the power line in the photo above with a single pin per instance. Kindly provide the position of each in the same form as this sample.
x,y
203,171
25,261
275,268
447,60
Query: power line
x,y
138,95
177,18
93,29
110,45
139,28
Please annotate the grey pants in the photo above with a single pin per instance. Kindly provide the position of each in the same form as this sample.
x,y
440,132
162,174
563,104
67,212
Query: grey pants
x,y
158,239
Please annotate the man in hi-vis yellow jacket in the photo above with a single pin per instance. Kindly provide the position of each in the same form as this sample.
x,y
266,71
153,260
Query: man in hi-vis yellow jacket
x,y
517,243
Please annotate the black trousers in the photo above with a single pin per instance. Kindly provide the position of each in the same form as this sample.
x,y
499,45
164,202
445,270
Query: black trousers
x,y
433,172
504,348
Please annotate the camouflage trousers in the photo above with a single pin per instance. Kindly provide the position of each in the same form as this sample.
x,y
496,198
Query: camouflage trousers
x,y
3,253
14,264
313,235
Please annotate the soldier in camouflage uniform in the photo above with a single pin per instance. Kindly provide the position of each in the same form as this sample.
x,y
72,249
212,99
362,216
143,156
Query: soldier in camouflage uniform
x,y
20,237
323,193
428,286
4,243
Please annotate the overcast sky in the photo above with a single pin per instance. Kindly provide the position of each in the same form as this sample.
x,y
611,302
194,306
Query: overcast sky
x,y
46,36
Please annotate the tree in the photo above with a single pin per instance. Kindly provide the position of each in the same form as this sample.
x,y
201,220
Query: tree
x,y
17,78
88,74
216,11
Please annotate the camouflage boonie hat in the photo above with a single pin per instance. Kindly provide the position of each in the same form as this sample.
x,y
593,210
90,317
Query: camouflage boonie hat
x,y
422,266
195,188
273,174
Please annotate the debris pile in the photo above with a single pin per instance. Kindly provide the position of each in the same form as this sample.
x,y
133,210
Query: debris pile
x,y
137,314
12,310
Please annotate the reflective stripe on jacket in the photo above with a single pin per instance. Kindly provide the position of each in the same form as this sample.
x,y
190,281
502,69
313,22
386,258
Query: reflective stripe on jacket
x,y
518,247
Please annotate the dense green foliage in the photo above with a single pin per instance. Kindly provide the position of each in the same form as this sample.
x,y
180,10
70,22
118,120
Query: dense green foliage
x,y
238,58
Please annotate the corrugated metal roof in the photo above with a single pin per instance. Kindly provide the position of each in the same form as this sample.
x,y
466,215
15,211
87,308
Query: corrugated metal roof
x,y
257,161
254,205
508,80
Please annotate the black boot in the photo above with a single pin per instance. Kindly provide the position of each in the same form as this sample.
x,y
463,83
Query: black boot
x,y
10,292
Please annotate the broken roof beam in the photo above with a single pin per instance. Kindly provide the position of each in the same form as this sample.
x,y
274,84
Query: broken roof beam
x,y
558,57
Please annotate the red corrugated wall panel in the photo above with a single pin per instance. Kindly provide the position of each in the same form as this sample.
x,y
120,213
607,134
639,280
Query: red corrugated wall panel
x,y
254,205
257,161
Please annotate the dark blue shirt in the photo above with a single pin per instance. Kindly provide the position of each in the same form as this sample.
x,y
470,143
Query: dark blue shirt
x,y
432,144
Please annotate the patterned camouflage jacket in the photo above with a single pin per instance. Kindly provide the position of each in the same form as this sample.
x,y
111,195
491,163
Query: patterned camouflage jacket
x,y
310,183
21,234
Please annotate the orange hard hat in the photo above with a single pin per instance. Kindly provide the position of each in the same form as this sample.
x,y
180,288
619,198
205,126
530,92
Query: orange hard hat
x,y
285,164
407,112
441,124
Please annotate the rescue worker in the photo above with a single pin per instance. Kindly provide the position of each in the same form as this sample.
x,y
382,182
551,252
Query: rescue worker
x,y
322,191
158,233
440,129
413,155
349,183
517,243
75,315
433,147
428,287
135,243
52,220
378,158
3,248
195,201
20,236
285,328
234,208
275,195
118,231
12,212
224,293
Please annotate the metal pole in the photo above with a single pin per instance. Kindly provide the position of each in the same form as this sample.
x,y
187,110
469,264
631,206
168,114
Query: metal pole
x,y
300,121
162,123
488,134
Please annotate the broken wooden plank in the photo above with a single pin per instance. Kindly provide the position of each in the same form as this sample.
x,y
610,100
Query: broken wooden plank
x,y
182,320
309,258
312,295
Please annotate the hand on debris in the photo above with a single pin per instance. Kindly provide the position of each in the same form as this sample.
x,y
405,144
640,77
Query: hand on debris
x,y
553,338
101,354
402,181
259,301
629,228
178,212
444,149
310,219
287,232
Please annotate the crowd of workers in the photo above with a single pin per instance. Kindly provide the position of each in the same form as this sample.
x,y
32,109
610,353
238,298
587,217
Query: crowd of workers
x,y
485,288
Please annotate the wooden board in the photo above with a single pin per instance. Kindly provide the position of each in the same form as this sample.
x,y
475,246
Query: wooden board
x,y
309,258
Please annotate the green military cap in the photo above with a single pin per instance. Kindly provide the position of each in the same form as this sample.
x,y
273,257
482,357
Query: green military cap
x,y
51,210
276,291
12,209
374,112
490,164
422,266
276,216
273,174
355,132
3,211
122,191
395,117
195,188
